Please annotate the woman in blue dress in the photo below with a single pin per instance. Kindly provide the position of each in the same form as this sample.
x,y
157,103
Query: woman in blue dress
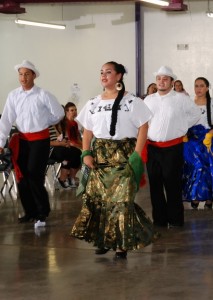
x,y
198,151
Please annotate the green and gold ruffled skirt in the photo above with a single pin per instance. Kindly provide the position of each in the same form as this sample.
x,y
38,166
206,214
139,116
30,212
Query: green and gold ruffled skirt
x,y
109,218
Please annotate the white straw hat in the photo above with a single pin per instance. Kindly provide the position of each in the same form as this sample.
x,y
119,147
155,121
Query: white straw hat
x,y
28,65
164,70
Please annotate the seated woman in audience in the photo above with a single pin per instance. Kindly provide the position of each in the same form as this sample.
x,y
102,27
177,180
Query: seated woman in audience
x,y
178,87
73,135
62,151
198,158
71,125
151,89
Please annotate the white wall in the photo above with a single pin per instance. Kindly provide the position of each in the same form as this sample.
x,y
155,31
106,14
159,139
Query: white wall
x,y
164,30
76,55
69,56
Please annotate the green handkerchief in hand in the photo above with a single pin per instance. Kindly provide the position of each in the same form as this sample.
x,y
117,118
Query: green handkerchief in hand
x,y
136,163
85,171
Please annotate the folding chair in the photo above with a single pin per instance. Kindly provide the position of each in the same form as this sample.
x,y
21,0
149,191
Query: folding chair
x,y
55,167
6,168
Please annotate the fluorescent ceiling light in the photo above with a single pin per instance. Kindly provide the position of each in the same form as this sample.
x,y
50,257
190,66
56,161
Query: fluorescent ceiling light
x,y
39,24
158,2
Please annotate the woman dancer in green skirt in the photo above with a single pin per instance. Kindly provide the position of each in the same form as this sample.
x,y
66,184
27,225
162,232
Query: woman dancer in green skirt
x,y
115,131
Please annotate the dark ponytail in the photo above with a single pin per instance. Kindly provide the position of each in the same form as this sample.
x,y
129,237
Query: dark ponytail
x,y
208,107
208,101
120,69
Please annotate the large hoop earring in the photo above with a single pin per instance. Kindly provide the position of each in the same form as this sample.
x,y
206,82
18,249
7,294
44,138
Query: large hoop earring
x,y
118,86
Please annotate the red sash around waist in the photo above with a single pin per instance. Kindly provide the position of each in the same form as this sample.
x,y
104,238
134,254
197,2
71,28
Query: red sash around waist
x,y
14,147
160,145
167,143
34,136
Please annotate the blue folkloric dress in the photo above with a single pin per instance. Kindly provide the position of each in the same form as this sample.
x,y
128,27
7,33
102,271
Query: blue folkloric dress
x,y
198,166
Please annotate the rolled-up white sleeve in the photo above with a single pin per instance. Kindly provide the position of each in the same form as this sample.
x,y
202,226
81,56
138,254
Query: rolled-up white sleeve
x,y
193,112
140,113
84,117
7,120
56,111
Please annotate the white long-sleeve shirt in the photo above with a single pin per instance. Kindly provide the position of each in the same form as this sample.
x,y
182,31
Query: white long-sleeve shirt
x,y
173,114
31,111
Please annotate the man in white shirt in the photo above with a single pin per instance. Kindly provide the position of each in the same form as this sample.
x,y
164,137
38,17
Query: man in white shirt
x,y
33,110
173,114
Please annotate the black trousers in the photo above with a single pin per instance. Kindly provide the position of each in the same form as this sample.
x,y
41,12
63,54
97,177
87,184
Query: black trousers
x,y
70,154
164,169
32,160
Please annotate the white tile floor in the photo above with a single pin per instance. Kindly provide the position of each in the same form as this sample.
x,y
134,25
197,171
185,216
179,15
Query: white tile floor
x,y
46,263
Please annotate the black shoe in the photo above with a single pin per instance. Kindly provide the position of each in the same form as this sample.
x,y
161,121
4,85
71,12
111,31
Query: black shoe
x,y
121,254
72,182
208,206
26,219
102,250
194,204
63,184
